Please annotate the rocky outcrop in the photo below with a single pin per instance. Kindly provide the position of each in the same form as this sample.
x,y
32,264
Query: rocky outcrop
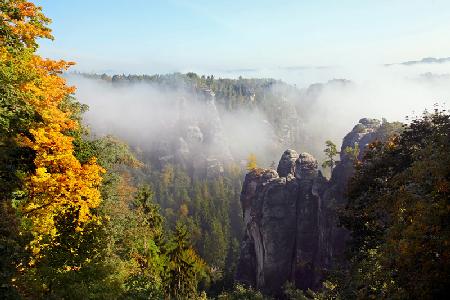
x,y
276,228
362,134
291,231
287,162
282,224
198,142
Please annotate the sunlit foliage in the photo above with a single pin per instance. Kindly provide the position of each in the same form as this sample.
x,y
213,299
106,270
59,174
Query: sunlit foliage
x,y
59,182
251,162
398,214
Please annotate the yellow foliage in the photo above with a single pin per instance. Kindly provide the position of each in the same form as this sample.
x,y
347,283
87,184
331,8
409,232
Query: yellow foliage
x,y
251,162
168,175
24,21
60,182
184,210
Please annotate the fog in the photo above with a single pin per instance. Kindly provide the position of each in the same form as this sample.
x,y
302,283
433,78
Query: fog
x,y
143,115
391,93
137,113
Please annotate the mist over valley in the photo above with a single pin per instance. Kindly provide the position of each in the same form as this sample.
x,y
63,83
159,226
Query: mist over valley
x,y
228,150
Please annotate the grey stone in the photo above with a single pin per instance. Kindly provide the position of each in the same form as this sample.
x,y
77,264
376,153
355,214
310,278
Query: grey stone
x,y
286,165
290,217
305,166
280,216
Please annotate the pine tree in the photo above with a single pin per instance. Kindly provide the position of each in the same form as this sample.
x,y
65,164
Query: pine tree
x,y
330,152
185,268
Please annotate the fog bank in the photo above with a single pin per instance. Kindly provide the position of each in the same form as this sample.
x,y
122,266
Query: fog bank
x,y
143,115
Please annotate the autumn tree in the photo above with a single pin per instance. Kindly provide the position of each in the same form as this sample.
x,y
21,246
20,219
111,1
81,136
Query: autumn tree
x,y
59,182
251,162
74,223
42,181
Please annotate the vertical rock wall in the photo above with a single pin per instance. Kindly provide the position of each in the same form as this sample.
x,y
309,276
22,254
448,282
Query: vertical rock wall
x,y
291,231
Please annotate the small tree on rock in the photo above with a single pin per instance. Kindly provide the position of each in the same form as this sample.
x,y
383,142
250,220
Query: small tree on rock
x,y
330,152
353,152
251,162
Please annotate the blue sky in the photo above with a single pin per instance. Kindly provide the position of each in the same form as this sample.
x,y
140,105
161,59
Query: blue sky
x,y
137,36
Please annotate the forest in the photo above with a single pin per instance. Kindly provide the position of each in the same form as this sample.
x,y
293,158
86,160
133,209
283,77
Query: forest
x,y
100,216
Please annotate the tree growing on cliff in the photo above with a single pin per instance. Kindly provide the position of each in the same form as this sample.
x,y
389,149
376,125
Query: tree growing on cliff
x,y
330,152
352,152
251,162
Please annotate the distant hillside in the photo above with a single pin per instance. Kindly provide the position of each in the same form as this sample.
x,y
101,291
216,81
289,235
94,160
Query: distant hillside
x,y
283,109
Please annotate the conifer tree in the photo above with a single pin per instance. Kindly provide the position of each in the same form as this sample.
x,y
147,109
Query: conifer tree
x,y
330,152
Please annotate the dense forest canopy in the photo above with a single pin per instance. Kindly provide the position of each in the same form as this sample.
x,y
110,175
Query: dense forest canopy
x,y
398,215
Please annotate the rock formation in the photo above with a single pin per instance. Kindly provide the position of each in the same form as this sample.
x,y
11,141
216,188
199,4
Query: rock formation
x,y
366,131
290,219
286,165
281,215
196,143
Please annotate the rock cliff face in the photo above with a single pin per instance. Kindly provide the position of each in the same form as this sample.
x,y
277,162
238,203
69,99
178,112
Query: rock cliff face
x,y
282,217
198,144
290,218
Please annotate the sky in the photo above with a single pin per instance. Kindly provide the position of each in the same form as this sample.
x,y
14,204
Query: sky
x,y
253,37
300,42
